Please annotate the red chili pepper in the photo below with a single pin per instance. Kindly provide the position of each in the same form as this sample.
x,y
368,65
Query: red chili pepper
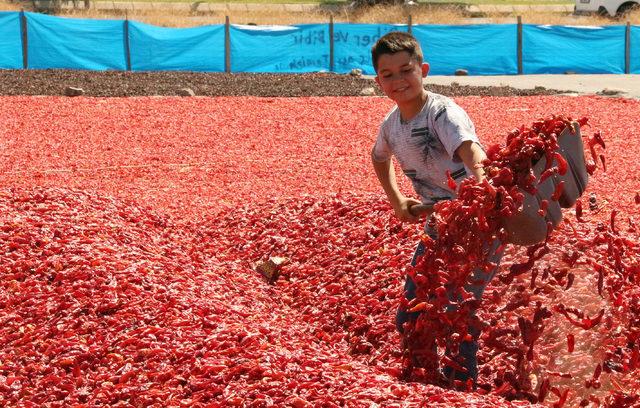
x,y
604,163
571,259
450,181
579,211
583,121
562,163
597,137
558,374
600,281
548,173
557,192
588,323
545,273
529,354
570,279
562,399
592,150
597,372
421,307
594,382
544,204
544,390
570,342
534,275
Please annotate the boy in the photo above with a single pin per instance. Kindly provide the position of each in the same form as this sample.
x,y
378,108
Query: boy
x,y
429,135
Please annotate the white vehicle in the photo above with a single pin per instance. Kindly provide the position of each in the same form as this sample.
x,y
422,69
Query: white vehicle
x,y
612,8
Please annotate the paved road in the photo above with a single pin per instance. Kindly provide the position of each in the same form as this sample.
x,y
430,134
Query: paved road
x,y
615,85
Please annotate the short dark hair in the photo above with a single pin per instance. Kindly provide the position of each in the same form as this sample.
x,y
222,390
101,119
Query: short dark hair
x,y
393,42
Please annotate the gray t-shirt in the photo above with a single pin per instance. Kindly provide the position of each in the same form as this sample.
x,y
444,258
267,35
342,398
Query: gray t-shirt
x,y
425,146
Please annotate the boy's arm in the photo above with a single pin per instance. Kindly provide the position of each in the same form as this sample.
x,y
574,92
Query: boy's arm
x,y
472,156
387,176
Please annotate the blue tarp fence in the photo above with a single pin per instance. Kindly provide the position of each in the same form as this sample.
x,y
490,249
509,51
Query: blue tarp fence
x,y
32,40
176,49
10,41
480,49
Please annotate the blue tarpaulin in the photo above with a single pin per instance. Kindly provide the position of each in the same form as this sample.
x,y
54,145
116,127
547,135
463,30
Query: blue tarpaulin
x,y
353,44
10,40
300,48
56,42
488,49
584,50
167,49
480,49
635,50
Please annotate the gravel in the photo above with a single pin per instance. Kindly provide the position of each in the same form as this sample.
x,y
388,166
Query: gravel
x,y
171,83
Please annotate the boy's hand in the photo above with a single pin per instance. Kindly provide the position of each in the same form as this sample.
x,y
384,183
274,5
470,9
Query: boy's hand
x,y
420,210
402,209
401,204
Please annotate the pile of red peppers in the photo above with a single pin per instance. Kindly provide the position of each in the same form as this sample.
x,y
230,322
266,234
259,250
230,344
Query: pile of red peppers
x,y
107,302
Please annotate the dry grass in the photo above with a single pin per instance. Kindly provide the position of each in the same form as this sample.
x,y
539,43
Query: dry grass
x,y
8,6
274,15
533,17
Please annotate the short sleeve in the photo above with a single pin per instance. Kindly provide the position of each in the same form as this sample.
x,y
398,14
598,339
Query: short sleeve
x,y
381,150
453,126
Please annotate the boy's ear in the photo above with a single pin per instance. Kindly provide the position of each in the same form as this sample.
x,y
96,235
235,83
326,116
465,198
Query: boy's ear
x,y
425,69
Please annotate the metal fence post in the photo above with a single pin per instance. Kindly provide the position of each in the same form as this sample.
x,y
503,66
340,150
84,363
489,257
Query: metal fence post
x,y
127,45
331,46
25,42
409,24
627,49
227,45
520,70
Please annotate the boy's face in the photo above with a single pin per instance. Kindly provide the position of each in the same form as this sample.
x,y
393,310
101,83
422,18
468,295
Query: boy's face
x,y
400,76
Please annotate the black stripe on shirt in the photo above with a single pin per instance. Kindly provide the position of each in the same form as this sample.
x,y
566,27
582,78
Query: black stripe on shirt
x,y
410,173
458,173
440,112
419,131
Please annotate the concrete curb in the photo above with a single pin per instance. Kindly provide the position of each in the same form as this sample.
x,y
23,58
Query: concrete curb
x,y
612,85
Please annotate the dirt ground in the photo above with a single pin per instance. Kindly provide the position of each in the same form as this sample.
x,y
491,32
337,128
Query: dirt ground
x,y
120,84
